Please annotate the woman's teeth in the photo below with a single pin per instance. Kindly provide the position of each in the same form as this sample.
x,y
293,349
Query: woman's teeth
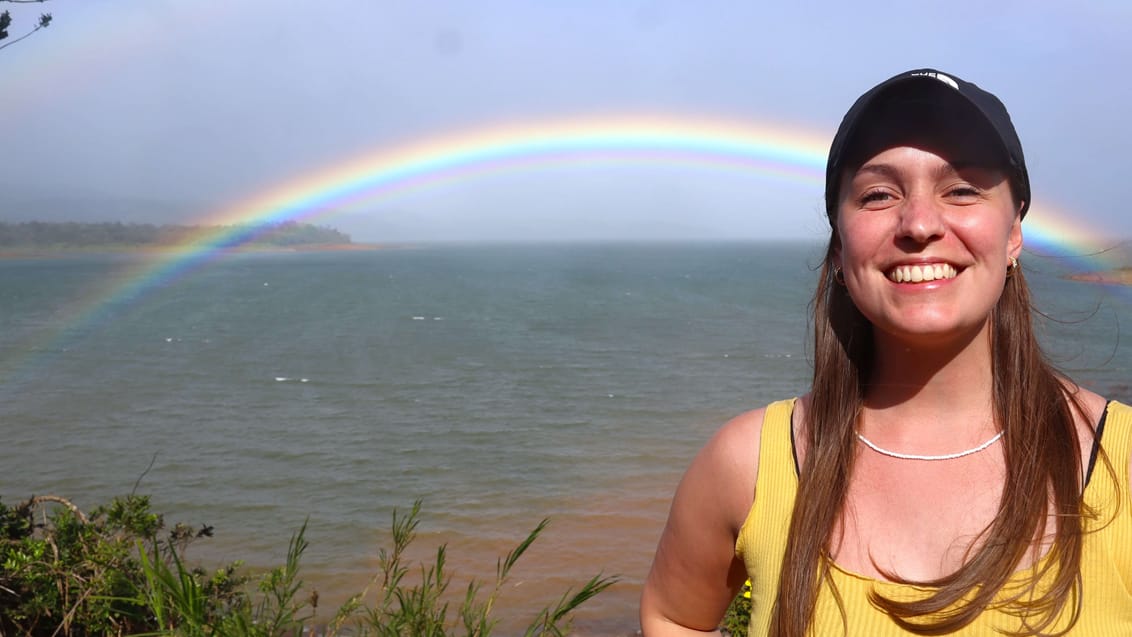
x,y
921,273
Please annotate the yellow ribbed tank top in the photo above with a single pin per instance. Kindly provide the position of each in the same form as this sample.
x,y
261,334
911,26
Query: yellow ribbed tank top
x,y
1106,564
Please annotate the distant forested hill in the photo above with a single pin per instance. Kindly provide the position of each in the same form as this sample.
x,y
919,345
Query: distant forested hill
x,y
62,235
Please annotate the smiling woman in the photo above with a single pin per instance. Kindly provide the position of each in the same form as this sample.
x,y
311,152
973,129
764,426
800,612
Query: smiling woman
x,y
898,495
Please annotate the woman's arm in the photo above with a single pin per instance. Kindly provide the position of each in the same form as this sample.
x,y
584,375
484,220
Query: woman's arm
x,y
695,573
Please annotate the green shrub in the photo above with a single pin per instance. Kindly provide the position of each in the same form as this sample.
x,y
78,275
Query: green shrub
x,y
69,574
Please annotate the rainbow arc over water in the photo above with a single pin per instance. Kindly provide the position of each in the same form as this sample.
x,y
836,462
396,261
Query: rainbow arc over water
x,y
767,151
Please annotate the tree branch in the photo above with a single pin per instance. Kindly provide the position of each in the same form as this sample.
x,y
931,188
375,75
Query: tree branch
x,y
40,499
6,21
24,36
138,481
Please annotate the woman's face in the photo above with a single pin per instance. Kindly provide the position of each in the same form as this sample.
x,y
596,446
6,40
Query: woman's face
x,y
926,227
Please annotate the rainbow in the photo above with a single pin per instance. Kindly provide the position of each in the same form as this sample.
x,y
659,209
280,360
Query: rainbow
x,y
768,151
773,151
765,151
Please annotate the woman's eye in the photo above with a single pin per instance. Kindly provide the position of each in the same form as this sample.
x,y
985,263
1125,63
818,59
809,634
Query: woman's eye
x,y
964,192
875,196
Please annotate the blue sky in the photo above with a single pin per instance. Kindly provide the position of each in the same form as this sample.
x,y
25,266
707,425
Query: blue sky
x,y
161,110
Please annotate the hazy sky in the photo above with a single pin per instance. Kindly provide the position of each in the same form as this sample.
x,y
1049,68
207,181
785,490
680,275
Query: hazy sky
x,y
170,110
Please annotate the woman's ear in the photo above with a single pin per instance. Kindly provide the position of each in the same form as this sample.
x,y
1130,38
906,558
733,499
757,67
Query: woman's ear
x,y
1014,239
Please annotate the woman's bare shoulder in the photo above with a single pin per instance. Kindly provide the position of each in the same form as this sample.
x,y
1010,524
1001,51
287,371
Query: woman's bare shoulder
x,y
741,433
1090,402
729,462
735,446
1088,409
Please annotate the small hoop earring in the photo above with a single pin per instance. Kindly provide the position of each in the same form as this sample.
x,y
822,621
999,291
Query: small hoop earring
x,y
1012,267
838,275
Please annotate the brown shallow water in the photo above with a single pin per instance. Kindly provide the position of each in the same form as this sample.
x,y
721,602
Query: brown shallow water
x,y
612,534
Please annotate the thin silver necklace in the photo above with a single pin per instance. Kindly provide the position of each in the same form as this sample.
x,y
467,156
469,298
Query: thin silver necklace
x,y
914,456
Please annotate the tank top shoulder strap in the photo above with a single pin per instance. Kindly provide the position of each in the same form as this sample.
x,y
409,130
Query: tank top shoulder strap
x,y
1116,438
776,448
1114,495
761,540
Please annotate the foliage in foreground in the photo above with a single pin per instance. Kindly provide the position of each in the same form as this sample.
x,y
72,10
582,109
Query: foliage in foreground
x,y
121,572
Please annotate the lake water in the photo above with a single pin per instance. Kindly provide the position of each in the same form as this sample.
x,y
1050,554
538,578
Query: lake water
x,y
500,384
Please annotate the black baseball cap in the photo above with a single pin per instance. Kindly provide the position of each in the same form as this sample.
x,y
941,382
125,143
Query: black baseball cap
x,y
984,103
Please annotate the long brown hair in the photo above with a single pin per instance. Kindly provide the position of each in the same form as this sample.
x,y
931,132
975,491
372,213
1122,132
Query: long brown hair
x,y
1035,410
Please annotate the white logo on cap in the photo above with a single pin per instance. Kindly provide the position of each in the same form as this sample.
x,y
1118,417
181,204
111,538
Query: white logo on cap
x,y
941,77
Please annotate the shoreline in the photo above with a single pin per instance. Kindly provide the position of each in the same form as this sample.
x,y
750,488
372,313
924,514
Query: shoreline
x,y
170,251
1119,276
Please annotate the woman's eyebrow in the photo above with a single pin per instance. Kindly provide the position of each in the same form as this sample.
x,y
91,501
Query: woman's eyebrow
x,y
879,169
965,168
891,171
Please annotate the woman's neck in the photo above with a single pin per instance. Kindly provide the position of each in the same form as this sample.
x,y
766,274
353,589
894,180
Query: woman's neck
x,y
924,385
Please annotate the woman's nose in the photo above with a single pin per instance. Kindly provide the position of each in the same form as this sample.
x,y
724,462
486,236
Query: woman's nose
x,y
921,218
